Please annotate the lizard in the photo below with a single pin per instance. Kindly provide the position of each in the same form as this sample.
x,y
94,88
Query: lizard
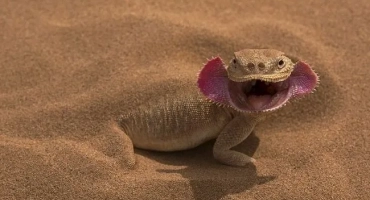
x,y
225,104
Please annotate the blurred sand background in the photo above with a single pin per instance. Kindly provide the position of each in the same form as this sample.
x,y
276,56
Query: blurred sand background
x,y
66,67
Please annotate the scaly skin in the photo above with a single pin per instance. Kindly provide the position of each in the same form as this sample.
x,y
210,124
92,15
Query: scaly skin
x,y
229,105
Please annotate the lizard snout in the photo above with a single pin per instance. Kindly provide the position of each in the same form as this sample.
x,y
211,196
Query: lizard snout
x,y
254,68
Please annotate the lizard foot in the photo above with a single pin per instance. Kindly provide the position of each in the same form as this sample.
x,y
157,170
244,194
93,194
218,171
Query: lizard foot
x,y
127,161
233,158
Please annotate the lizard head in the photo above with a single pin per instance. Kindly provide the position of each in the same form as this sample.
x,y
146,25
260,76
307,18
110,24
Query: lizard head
x,y
256,80
266,65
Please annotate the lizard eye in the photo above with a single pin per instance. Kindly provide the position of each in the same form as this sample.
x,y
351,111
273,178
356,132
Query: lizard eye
x,y
234,62
281,64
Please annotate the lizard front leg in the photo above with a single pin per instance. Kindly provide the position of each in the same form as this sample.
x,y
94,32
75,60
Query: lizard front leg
x,y
233,134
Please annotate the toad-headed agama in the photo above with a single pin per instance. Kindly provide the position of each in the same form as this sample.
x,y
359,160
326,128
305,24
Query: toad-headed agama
x,y
225,103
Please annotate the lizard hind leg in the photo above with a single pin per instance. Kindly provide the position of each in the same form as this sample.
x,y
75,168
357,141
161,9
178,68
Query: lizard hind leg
x,y
124,151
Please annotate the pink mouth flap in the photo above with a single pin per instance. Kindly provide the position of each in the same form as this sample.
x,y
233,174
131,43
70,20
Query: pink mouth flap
x,y
213,81
303,79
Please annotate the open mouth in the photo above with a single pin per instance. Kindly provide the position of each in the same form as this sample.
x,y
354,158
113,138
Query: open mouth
x,y
258,95
254,95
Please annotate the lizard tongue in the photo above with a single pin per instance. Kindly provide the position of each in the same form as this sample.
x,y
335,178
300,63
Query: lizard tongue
x,y
258,102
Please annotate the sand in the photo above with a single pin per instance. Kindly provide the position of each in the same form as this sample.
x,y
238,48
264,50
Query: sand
x,y
67,67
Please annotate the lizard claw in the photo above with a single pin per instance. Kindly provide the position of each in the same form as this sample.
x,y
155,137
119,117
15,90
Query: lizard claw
x,y
233,158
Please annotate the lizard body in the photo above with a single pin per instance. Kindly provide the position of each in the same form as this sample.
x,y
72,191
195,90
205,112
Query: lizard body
x,y
183,121
226,103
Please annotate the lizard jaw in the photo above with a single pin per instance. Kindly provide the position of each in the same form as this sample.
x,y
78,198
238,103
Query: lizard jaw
x,y
254,95
259,95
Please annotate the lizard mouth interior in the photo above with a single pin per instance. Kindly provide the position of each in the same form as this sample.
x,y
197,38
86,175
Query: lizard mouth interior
x,y
259,95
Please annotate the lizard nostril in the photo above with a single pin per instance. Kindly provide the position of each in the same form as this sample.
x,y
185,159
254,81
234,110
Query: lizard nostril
x,y
261,66
250,66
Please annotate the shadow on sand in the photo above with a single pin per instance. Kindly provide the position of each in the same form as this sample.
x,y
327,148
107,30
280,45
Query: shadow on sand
x,y
208,178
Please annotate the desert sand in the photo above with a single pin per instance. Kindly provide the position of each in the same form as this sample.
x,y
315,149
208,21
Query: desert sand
x,y
67,67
